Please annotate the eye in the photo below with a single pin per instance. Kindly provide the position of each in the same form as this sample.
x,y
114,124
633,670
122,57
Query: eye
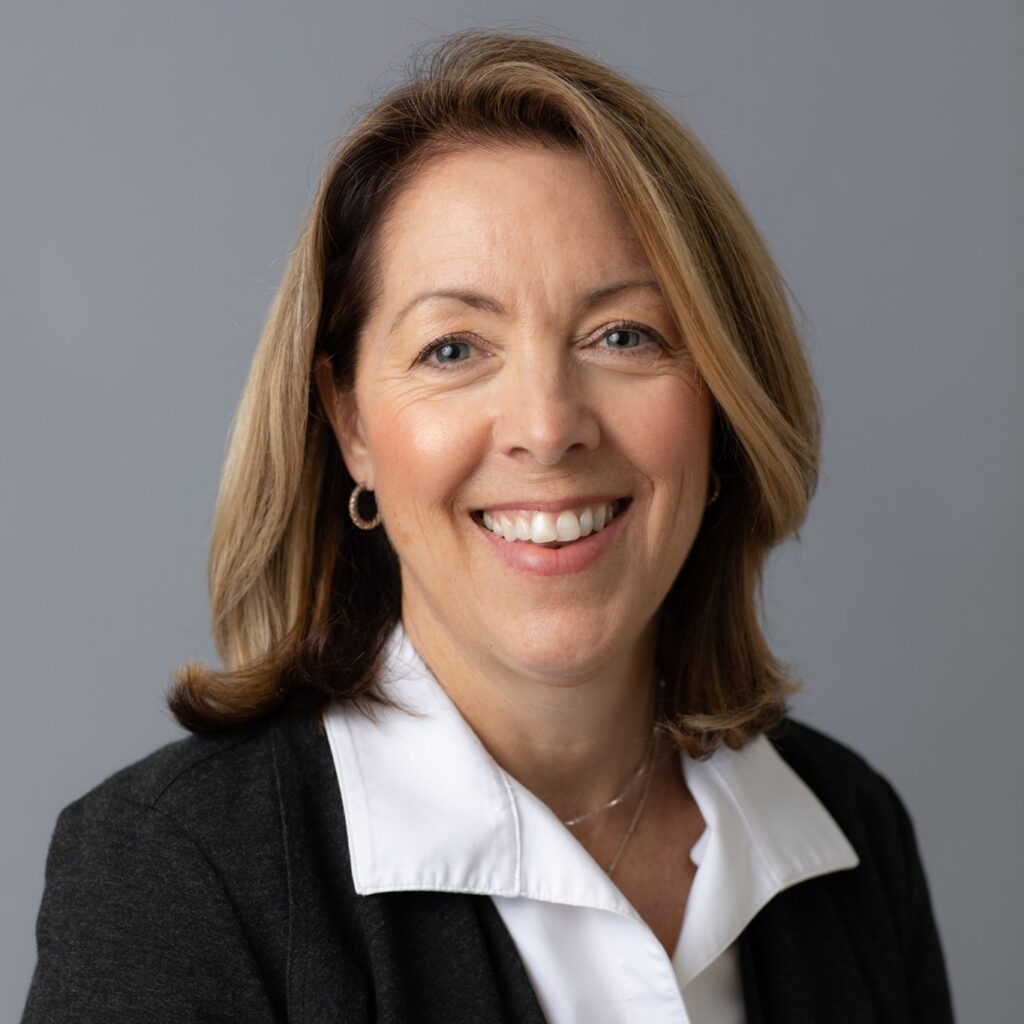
x,y
620,338
628,336
447,349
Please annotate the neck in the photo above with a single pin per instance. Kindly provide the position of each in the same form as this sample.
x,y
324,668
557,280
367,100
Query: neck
x,y
574,741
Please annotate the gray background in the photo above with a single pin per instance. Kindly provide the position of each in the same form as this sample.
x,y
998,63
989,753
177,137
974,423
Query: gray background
x,y
156,162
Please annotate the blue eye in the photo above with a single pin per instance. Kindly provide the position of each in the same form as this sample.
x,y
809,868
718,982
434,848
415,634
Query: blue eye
x,y
620,333
447,349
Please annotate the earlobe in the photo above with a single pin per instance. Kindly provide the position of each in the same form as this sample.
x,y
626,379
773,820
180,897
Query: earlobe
x,y
339,407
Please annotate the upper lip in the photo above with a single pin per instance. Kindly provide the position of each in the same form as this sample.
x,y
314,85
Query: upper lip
x,y
557,505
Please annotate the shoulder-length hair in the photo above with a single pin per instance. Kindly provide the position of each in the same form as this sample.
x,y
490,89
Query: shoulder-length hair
x,y
302,601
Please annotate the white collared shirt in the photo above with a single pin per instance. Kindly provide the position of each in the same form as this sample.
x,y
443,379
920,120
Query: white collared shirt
x,y
428,808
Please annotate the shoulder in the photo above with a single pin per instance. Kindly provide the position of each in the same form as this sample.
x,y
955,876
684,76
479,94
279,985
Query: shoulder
x,y
882,907
837,772
202,796
189,777
863,802
163,883
814,752
162,801
193,831
849,786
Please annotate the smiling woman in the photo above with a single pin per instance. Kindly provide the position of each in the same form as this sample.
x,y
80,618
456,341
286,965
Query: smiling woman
x,y
532,404
513,746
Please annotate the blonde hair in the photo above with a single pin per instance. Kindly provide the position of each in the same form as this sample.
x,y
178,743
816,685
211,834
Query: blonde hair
x,y
302,601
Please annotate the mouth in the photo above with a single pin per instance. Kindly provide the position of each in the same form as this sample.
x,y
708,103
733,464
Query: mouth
x,y
534,528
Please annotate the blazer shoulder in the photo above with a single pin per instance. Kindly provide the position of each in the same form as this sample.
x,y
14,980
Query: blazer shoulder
x,y
188,780
821,754
888,892
166,895
863,801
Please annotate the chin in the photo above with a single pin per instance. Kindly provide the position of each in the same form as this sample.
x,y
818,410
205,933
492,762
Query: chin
x,y
568,644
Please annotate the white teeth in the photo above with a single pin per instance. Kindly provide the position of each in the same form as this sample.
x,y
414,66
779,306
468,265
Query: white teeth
x,y
567,526
544,527
586,522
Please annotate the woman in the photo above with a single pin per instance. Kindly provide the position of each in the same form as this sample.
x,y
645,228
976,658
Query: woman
x,y
499,737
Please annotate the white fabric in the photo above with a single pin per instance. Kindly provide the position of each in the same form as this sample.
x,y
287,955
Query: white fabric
x,y
427,807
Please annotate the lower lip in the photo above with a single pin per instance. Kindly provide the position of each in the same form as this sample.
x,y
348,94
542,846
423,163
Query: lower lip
x,y
572,558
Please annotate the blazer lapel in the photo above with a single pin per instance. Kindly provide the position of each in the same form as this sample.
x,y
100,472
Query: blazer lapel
x,y
432,957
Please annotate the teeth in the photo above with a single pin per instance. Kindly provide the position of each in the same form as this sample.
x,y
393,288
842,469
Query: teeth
x,y
546,528
542,528
586,522
567,526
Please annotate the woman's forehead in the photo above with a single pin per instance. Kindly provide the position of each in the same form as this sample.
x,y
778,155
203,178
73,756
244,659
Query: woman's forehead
x,y
484,219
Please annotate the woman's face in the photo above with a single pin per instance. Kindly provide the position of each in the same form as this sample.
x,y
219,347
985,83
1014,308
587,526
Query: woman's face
x,y
520,355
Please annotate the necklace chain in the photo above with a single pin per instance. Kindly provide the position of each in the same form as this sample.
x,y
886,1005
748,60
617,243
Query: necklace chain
x,y
643,772
616,800
633,822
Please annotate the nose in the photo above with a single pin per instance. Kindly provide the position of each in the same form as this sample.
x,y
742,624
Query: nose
x,y
544,412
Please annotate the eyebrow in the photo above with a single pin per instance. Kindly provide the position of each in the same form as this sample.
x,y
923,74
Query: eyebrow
x,y
477,300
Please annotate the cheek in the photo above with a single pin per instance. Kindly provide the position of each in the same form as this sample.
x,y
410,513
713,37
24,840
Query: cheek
x,y
423,454
668,433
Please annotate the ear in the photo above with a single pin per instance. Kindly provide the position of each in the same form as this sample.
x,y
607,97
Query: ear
x,y
340,406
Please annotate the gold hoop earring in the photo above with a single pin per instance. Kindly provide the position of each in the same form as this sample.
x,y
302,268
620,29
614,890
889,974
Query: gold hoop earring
x,y
716,489
353,510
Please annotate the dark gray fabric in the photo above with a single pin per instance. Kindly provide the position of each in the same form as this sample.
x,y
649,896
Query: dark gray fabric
x,y
210,881
852,946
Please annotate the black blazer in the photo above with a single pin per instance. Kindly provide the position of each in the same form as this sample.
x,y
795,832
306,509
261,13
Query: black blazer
x,y
210,881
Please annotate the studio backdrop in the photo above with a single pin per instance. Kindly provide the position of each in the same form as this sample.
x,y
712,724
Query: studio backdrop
x,y
157,160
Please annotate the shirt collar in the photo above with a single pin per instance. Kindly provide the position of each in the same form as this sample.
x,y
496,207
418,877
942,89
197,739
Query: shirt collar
x,y
766,831
427,807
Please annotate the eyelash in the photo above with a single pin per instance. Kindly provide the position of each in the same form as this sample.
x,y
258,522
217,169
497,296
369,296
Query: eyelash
x,y
449,339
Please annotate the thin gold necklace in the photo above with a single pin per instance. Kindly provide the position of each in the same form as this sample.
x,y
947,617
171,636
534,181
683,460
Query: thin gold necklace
x,y
616,800
633,822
